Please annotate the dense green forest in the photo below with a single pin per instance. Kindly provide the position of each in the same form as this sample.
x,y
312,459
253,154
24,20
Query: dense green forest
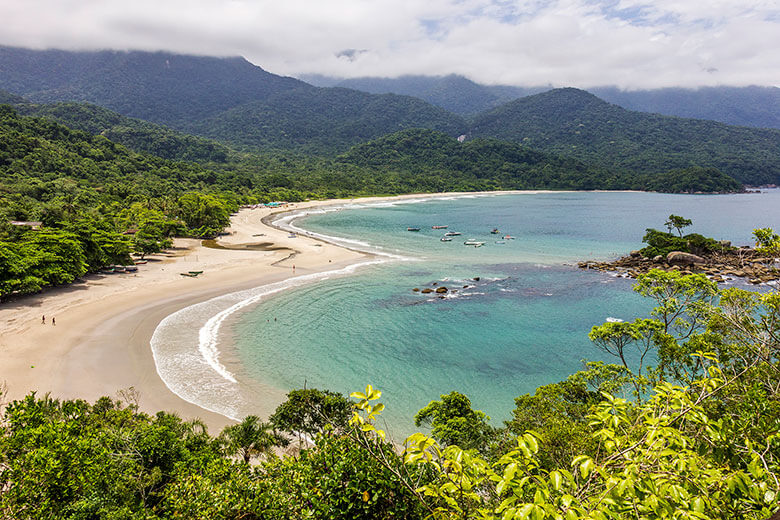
x,y
135,134
324,121
575,123
694,437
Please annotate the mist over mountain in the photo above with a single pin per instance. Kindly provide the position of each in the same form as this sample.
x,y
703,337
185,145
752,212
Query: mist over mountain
x,y
743,106
156,86
454,93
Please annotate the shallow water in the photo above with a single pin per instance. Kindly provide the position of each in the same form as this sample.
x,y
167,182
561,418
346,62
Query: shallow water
x,y
522,325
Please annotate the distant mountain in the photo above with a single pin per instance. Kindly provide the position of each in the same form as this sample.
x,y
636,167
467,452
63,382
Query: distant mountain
x,y
324,120
575,123
745,106
135,134
227,99
156,86
454,93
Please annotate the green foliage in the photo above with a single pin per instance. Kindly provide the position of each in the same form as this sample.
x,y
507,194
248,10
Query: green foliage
x,y
661,243
453,421
135,134
309,411
205,215
767,241
677,222
250,438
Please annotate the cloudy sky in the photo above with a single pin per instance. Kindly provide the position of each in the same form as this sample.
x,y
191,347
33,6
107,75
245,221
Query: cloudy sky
x,y
583,43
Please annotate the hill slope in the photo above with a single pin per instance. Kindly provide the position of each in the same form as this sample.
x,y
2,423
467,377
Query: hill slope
x,y
431,159
454,93
160,87
135,134
745,106
324,120
576,123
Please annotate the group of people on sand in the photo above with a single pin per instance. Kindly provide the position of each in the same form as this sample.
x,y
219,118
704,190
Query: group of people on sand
x,y
43,320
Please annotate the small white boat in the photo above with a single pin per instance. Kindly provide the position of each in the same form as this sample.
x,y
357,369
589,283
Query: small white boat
x,y
610,319
439,227
508,237
446,239
451,234
473,242
500,241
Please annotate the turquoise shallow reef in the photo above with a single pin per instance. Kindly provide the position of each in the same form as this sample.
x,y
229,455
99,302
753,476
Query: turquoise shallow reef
x,y
517,311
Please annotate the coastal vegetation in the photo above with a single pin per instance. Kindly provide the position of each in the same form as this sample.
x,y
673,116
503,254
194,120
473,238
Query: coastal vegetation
x,y
77,188
692,434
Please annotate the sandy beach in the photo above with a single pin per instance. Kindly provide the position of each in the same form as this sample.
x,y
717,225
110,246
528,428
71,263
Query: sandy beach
x,y
100,344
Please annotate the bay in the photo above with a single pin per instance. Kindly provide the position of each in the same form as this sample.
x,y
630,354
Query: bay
x,y
523,324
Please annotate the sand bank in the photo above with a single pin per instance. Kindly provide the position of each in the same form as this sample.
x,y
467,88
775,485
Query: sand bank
x,y
100,343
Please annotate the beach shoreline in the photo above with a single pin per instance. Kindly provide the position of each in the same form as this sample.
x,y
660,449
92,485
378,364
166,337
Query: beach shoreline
x,y
100,345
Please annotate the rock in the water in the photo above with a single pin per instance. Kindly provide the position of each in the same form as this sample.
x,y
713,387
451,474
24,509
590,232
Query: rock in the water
x,y
441,289
476,278
416,289
427,290
680,258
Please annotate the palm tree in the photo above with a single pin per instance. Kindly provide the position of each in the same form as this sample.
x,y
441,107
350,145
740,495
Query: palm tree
x,y
251,437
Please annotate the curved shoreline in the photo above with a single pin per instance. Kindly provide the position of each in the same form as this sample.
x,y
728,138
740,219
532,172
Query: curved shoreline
x,y
101,343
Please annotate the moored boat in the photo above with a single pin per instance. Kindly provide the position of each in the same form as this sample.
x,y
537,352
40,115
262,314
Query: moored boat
x,y
439,227
494,231
413,229
473,242
451,234
446,239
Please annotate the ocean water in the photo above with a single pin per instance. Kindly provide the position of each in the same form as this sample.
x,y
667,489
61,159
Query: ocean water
x,y
522,324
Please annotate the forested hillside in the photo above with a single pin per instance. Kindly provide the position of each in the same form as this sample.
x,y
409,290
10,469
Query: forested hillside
x,y
159,87
135,134
575,123
493,164
324,120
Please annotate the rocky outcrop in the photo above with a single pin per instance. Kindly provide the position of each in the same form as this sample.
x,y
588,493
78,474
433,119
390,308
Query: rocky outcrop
x,y
681,258
720,267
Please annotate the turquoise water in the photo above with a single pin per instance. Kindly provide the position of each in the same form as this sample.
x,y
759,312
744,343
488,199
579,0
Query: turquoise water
x,y
522,325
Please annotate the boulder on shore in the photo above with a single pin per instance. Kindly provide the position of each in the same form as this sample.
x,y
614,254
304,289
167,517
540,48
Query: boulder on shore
x,y
441,289
680,258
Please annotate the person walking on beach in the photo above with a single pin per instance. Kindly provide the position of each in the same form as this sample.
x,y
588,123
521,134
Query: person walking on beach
x,y
52,321
43,320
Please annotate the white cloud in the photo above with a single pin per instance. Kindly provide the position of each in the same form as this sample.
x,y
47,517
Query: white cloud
x,y
630,43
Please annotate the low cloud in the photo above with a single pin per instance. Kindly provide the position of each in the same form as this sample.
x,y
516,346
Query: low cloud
x,y
629,43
